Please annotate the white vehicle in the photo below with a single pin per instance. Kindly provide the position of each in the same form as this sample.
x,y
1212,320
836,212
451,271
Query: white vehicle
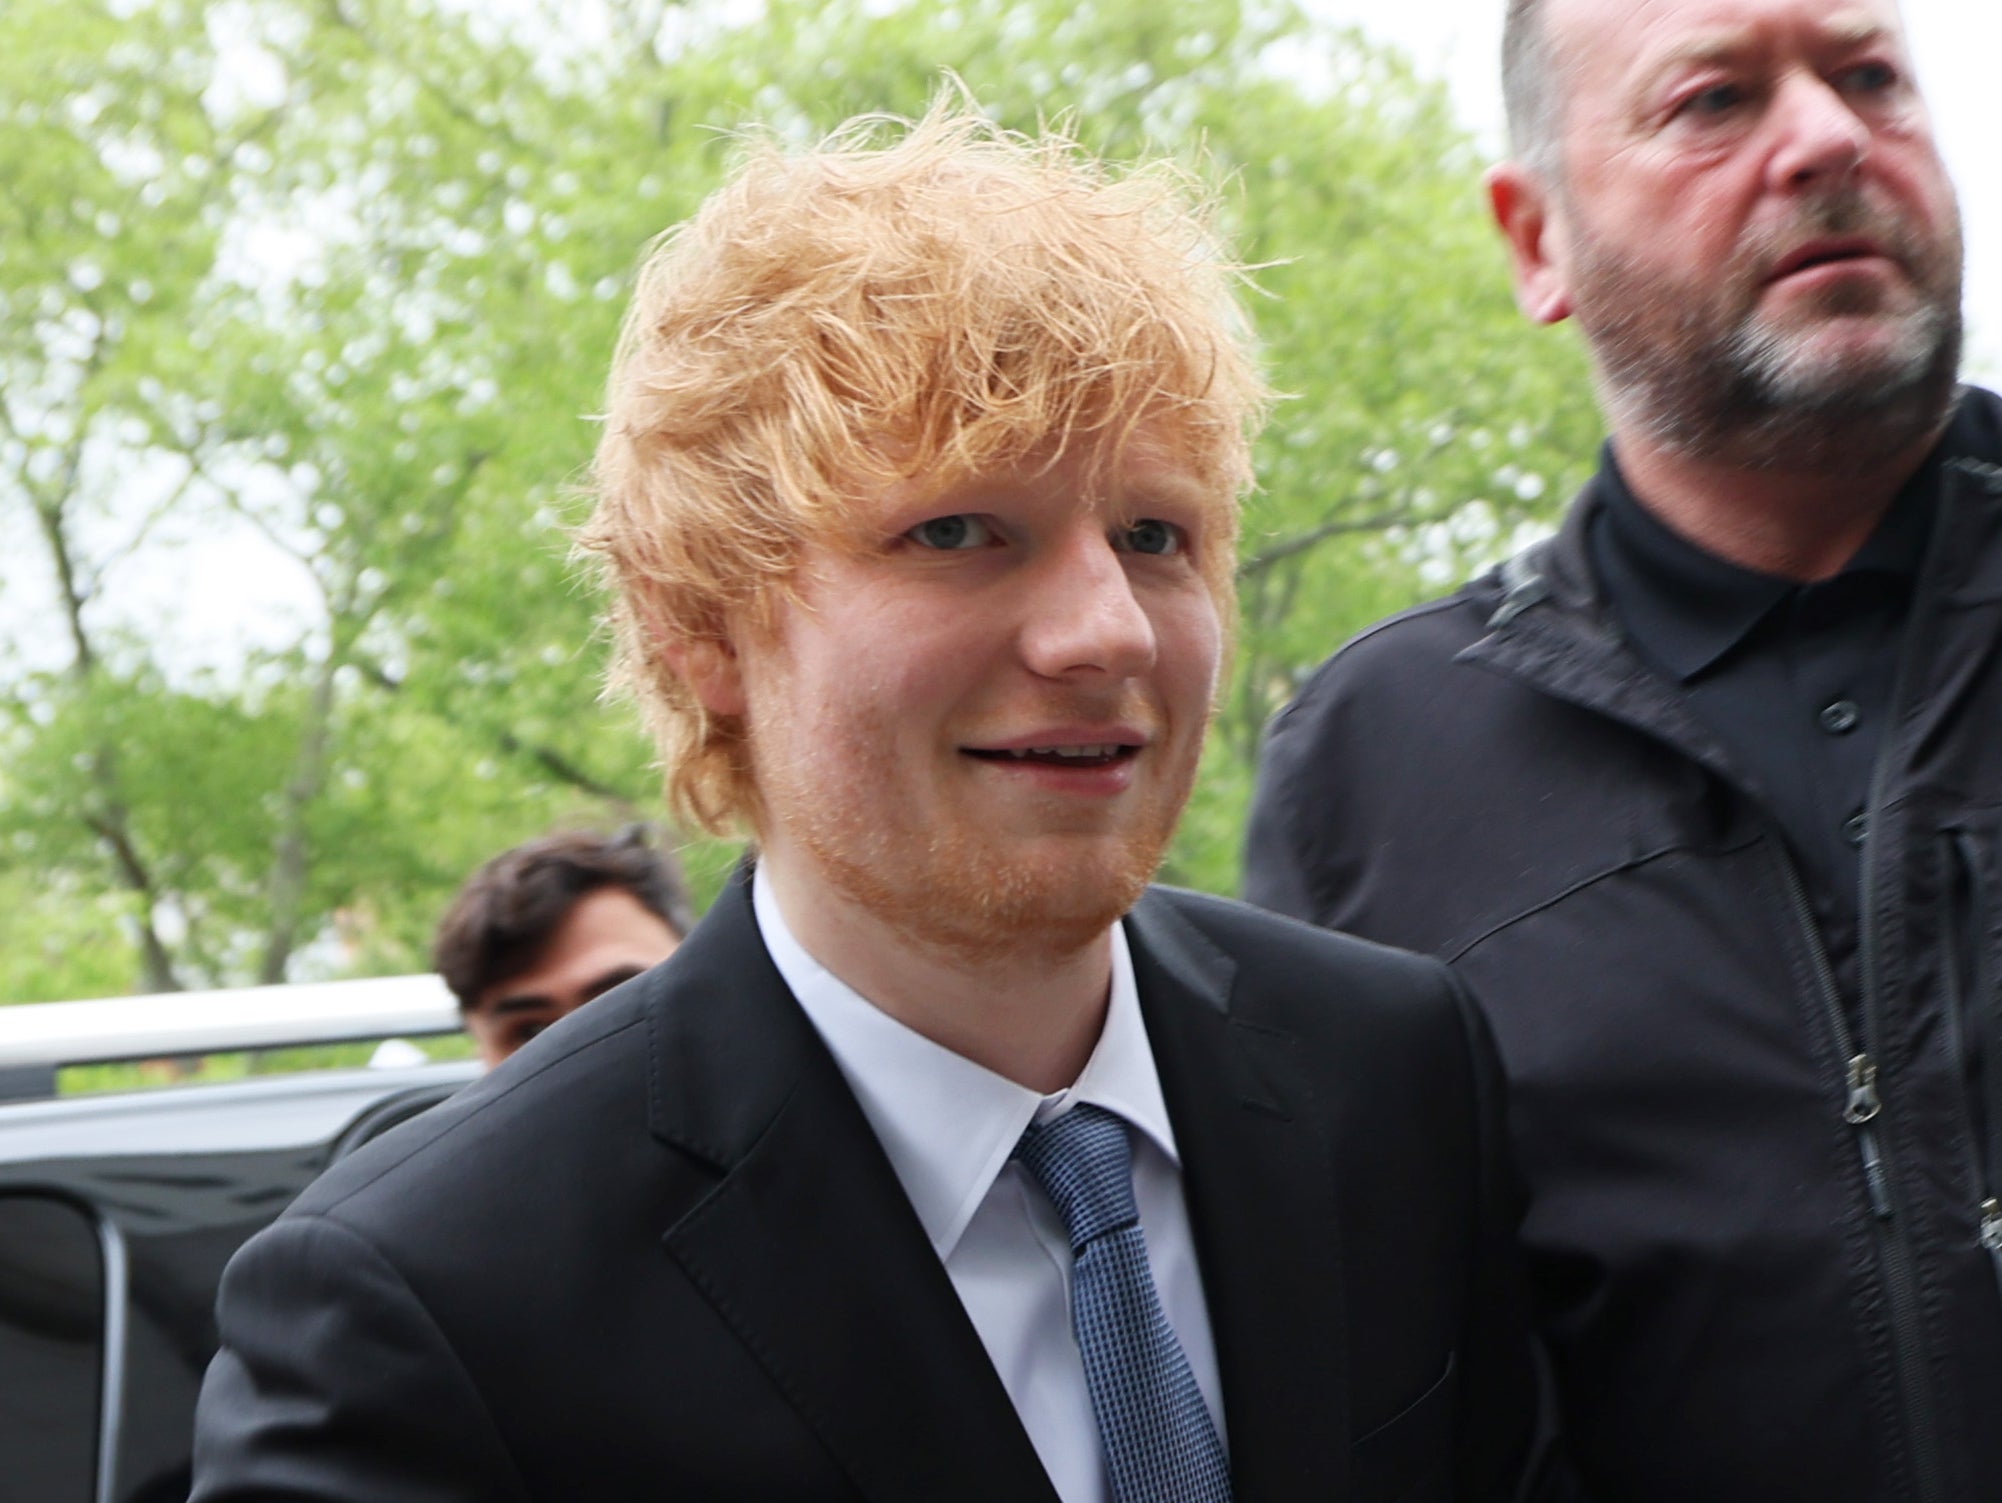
x,y
118,1211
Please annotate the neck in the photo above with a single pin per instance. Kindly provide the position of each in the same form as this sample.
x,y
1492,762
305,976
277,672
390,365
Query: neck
x,y
1030,1013
1792,524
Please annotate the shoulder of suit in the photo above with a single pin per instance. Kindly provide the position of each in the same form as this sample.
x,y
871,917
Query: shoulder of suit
x,y
594,1062
1261,940
1343,1003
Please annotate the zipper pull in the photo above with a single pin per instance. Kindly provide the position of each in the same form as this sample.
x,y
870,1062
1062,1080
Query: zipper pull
x,y
1861,1108
1863,1104
1991,1225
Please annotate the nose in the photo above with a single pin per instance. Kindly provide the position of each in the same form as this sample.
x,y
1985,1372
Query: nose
x,y
1822,136
1083,616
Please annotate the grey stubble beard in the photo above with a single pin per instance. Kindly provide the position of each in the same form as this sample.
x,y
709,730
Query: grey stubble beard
x,y
1754,396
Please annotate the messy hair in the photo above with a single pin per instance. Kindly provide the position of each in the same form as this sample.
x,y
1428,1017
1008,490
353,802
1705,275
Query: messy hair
x,y
509,908
937,298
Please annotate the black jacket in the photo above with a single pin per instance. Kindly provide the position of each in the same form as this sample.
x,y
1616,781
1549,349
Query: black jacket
x,y
1754,1227
660,1254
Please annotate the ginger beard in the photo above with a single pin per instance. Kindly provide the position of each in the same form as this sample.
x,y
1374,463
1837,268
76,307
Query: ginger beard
x,y
1705,369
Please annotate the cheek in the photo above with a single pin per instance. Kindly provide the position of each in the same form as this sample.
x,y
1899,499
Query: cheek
x,y
489,1039
1933,190
1189,645
911,659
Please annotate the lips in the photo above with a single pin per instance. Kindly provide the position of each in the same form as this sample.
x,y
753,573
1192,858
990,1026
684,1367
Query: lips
x,y
1095,747
1827,251
1099,754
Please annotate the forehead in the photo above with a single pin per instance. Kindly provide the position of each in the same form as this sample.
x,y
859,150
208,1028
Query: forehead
x,y
1603,45
605,924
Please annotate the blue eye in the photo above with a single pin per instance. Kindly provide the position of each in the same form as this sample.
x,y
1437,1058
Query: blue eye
x,y
1718,99
952,534
1871,78
1151,536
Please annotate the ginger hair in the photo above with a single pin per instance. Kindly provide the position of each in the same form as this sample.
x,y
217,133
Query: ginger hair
x,y
935,298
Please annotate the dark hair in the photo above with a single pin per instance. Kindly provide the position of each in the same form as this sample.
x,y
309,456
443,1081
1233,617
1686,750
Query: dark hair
x,y
509,907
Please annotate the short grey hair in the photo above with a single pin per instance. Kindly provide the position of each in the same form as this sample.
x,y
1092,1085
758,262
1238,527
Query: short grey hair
x,y
1530,91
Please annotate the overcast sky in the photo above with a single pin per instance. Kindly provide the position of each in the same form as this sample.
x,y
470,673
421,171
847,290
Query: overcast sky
x,y
1957,43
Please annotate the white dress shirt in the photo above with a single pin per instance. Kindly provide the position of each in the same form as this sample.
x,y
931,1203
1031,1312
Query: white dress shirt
x,y
948,1126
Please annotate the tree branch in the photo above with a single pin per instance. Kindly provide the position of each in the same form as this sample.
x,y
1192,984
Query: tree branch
x,y
132,544
445,99
159,969
565,771
1293,547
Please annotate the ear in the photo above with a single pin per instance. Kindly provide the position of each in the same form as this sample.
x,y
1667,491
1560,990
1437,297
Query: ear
x,y
1533,226
709,666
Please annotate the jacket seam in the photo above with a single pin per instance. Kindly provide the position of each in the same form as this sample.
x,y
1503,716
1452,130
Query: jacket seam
x,y
1459,950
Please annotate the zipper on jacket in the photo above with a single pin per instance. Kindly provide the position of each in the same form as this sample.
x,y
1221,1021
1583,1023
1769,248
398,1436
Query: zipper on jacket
x,y
1524,588
1986,1156
1861,1108
1859,1112
1894,1252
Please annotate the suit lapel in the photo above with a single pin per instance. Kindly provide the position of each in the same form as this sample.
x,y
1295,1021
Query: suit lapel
x,y
1258,1176
809,1248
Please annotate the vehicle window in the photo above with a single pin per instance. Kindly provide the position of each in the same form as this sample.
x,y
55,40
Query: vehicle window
x,y
51,1350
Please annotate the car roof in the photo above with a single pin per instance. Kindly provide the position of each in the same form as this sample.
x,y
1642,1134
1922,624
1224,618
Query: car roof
x,y
269,1112
46,1035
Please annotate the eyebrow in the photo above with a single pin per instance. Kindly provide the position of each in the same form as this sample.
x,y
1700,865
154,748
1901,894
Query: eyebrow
x,y
1710,47
1846,33
598,985
1169,485
1859,33
519,1002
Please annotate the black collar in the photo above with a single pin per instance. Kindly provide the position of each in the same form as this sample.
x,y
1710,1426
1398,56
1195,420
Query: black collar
x,y
1686,608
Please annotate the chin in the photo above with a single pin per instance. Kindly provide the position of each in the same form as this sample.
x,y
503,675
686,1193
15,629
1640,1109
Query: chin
x,y
1846,357
977,905
1062,905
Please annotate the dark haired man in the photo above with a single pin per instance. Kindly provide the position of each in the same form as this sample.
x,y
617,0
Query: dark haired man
x,y
1702,797
543,928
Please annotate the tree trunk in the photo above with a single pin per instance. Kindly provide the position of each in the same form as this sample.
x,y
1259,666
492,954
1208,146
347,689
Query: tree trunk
x,y
287,888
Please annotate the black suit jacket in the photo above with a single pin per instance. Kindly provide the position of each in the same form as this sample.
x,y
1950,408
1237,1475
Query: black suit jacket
x,y
661,1255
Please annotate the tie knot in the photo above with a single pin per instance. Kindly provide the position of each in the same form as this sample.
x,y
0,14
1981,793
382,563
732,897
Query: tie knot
x,y
1085,1165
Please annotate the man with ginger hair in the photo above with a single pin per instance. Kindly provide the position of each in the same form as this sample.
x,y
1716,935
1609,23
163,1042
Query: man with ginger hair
x,y
945,1159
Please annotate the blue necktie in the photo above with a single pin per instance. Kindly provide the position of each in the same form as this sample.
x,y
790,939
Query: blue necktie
x,y
1160,1446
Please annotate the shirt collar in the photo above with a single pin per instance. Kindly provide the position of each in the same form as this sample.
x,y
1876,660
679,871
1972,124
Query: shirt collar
x,y
1687,608
947,1124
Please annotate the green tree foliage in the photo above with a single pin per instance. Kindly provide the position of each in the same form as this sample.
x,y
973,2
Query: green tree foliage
x,y
329,287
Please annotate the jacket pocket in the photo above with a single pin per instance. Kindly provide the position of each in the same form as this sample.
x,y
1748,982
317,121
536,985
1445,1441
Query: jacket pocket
x,y
1409,1457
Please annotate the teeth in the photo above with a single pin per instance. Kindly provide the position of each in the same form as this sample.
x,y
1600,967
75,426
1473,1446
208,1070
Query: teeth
x,y
1079,752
